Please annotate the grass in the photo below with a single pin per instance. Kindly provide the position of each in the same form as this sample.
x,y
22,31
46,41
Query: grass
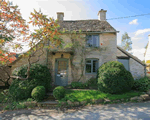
x,y
85,95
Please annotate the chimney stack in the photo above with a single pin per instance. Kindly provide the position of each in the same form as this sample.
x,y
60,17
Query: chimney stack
x,y
102,15
60,16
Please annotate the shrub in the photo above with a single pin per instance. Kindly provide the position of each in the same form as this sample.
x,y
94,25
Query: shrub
x,y
38,93
39,76
143,84
76,85
92,81
59,92
114,78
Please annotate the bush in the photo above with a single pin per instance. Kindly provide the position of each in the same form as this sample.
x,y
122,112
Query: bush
x,y
143,84
39,76
114,78
76,85
59,92
38,93
92,81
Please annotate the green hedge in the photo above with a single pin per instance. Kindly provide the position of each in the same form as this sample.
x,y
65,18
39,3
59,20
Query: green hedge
x,y
59,92
114,78
38,93
39,76
142,84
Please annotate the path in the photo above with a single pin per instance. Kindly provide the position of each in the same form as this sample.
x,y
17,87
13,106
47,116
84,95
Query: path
x,y
125,111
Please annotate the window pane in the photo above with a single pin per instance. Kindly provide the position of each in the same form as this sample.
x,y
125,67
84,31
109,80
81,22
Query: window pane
x,y
95,40
88,68
89,41
95,65
88,61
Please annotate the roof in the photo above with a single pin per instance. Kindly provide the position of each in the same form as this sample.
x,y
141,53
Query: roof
x,y
86,25
131,56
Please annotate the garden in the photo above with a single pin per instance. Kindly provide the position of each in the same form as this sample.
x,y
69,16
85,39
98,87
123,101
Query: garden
x,y
113,84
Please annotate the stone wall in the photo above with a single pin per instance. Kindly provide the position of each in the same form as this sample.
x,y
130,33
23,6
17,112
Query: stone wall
x,y
108,41
24,60
136,69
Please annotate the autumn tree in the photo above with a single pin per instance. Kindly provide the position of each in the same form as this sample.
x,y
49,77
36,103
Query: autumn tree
x,y
126,42
12,27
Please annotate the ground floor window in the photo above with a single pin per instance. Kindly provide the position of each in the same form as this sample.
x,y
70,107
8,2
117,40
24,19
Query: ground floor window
x,y
91,65
125,62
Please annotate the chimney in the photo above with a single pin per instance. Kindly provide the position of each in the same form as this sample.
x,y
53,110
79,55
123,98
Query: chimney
x,y
102,15
60,16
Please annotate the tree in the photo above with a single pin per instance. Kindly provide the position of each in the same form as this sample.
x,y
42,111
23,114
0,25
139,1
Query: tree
x,y
13,27
126,42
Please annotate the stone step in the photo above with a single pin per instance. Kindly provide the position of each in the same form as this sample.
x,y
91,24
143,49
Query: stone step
x,y
48,103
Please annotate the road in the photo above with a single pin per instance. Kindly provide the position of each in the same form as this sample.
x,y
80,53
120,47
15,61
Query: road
x,y
121,111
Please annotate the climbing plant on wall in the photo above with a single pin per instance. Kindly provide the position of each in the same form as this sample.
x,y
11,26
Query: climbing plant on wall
x,y
78,46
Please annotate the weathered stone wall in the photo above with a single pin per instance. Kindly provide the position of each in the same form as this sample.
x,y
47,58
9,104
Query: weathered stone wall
x,y
108,41
136,69
24,60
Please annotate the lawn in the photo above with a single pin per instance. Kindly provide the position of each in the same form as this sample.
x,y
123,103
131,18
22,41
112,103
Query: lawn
x,y
85,95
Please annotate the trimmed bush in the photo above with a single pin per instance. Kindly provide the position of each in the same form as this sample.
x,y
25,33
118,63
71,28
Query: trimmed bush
x,y
114,78
142,84
39,76
76,85
59,92
38,93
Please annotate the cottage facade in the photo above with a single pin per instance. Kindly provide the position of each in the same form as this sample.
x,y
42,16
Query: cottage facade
x,y
67,66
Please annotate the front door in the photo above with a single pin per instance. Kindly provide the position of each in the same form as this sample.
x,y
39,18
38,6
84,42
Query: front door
x,y
61,72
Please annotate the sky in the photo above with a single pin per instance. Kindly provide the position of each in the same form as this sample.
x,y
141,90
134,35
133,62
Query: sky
x,y
138,28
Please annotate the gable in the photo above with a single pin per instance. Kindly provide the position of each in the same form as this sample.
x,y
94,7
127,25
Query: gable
x,y
128,55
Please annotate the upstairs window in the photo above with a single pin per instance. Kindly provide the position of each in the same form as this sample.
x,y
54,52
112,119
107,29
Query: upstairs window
x,y
91,65
92,41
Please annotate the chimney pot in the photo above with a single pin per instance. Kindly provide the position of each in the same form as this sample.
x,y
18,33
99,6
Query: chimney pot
x,y
60,16
102,15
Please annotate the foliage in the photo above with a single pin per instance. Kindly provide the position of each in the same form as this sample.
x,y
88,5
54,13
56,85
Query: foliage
x,y
13,26
78,46
39,76
126,42
38,93
76,85
142,84
38,72
59,92
87,95
114,78
92,82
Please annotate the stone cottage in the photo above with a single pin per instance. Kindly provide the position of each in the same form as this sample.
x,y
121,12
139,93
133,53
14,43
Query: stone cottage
x,y
101,46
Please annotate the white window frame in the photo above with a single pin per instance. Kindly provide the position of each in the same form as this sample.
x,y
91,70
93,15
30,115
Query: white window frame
x,y
91,59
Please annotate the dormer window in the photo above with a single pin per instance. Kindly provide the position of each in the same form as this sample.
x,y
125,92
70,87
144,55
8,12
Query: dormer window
x,y
93,41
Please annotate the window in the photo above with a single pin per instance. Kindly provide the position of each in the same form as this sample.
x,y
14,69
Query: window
x,y
92,40
91,65
125,62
